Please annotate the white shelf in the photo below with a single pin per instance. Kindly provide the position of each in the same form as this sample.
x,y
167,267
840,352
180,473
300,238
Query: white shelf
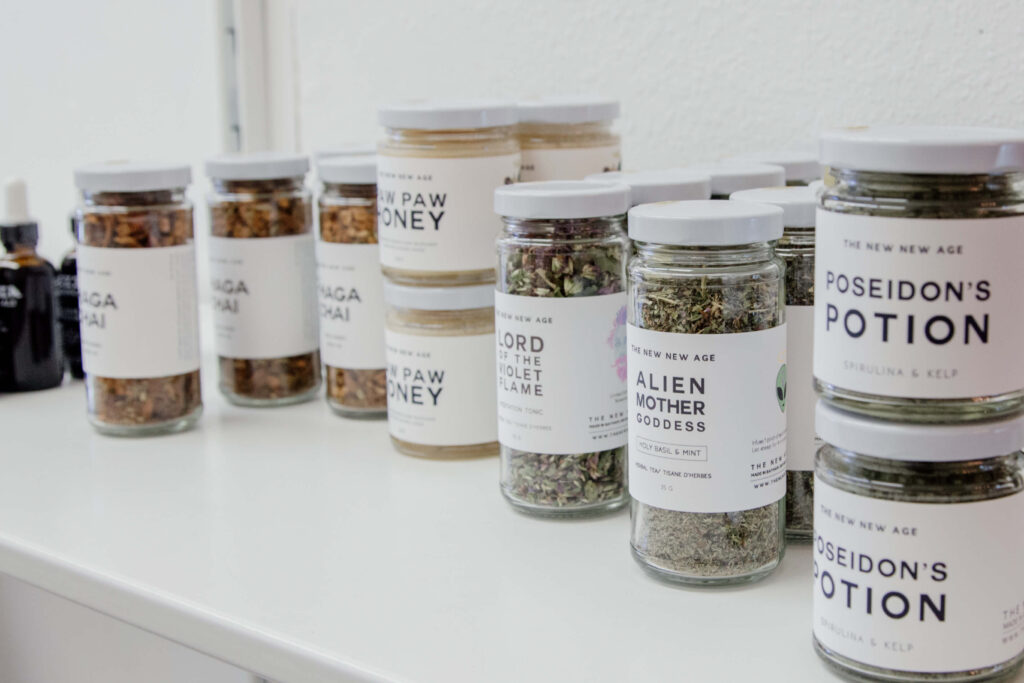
x,y
301,547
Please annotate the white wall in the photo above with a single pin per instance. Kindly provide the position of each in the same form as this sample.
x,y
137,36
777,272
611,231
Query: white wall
x,y
698,79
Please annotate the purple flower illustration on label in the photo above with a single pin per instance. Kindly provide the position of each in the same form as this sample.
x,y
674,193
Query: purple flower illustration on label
x,y
617,342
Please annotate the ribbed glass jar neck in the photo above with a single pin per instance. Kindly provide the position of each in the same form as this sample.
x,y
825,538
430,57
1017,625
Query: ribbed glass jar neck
x,y
565,228
935,196
450,323
153,198
590,133
259,187
413,138
350,191
692,256
796,239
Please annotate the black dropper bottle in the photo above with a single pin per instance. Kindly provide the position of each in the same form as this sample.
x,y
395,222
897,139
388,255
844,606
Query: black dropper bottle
x,y
30,354
67,300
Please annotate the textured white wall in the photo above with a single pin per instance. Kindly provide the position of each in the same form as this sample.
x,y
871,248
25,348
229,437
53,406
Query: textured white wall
x,y
698,79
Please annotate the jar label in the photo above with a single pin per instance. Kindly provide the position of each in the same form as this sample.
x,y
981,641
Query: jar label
x,y
437,215
441,389
919,308
707,419
264,296
568,163
919,587
801,440
139,314
561,372
351,293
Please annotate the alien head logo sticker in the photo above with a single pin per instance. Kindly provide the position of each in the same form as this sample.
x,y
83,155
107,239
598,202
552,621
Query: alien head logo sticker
x,y
780,387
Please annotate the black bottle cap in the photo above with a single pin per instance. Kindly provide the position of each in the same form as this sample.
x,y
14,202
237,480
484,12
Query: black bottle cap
x,y
15,234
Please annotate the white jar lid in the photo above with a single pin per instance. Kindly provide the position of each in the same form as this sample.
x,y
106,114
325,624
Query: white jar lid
x,y
817,187
727,178
131,176
354,170
568,109
448,114
799,165
439,298
346,150
705,223
646,187
257,166
799,203
561,199
917,442
957,150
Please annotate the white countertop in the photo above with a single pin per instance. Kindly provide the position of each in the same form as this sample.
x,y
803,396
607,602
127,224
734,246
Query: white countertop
x,y
300,546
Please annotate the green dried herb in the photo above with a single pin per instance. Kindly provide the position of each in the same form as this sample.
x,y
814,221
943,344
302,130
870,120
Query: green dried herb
x,y
575,258
707,545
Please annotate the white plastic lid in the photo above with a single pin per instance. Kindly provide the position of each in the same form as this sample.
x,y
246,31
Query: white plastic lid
x,y
798,203
728,178
355,170
346,150
448,114
646,187
568,109
561,199
131,176
817,186
439,298
924,149
705,223
800,166
919,443
257,166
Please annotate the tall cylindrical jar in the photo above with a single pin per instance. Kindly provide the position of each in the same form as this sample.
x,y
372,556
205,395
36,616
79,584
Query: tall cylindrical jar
x,y
919,548
560,322
351,288
796,249
437,170
801,166
727,178
263,276
440,370
648,187
707,391
139,318
920,232
568,137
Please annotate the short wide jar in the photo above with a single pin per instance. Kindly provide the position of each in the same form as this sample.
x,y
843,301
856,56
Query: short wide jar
x,y
139,315
440,370
263,276
560,319
669,185
918,310
919,548
727,178
568,137
707,391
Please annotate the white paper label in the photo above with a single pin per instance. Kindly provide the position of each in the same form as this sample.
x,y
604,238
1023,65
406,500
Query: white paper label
x,y
264,296
561,372
441,389
139,313
568,163
438,214
802,442
351,294
707,419
919,308
918,587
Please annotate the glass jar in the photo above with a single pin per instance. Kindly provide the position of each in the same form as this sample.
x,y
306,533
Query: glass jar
x,y
263,275
707,391
437,170
560,315
919,548
727,178
920,232
796,249
351,288
440,365
567,138
801,166
647,187
138,304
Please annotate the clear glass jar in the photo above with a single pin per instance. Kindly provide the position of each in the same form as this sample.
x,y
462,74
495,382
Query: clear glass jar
x,y
912,335
136,262
727,178
796,249
567,138
262,270
560,319
706,447
437,169
949,500
440,364
351,288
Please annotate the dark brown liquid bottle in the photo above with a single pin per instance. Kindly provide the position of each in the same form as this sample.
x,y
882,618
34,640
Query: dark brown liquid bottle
x,y
67,300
